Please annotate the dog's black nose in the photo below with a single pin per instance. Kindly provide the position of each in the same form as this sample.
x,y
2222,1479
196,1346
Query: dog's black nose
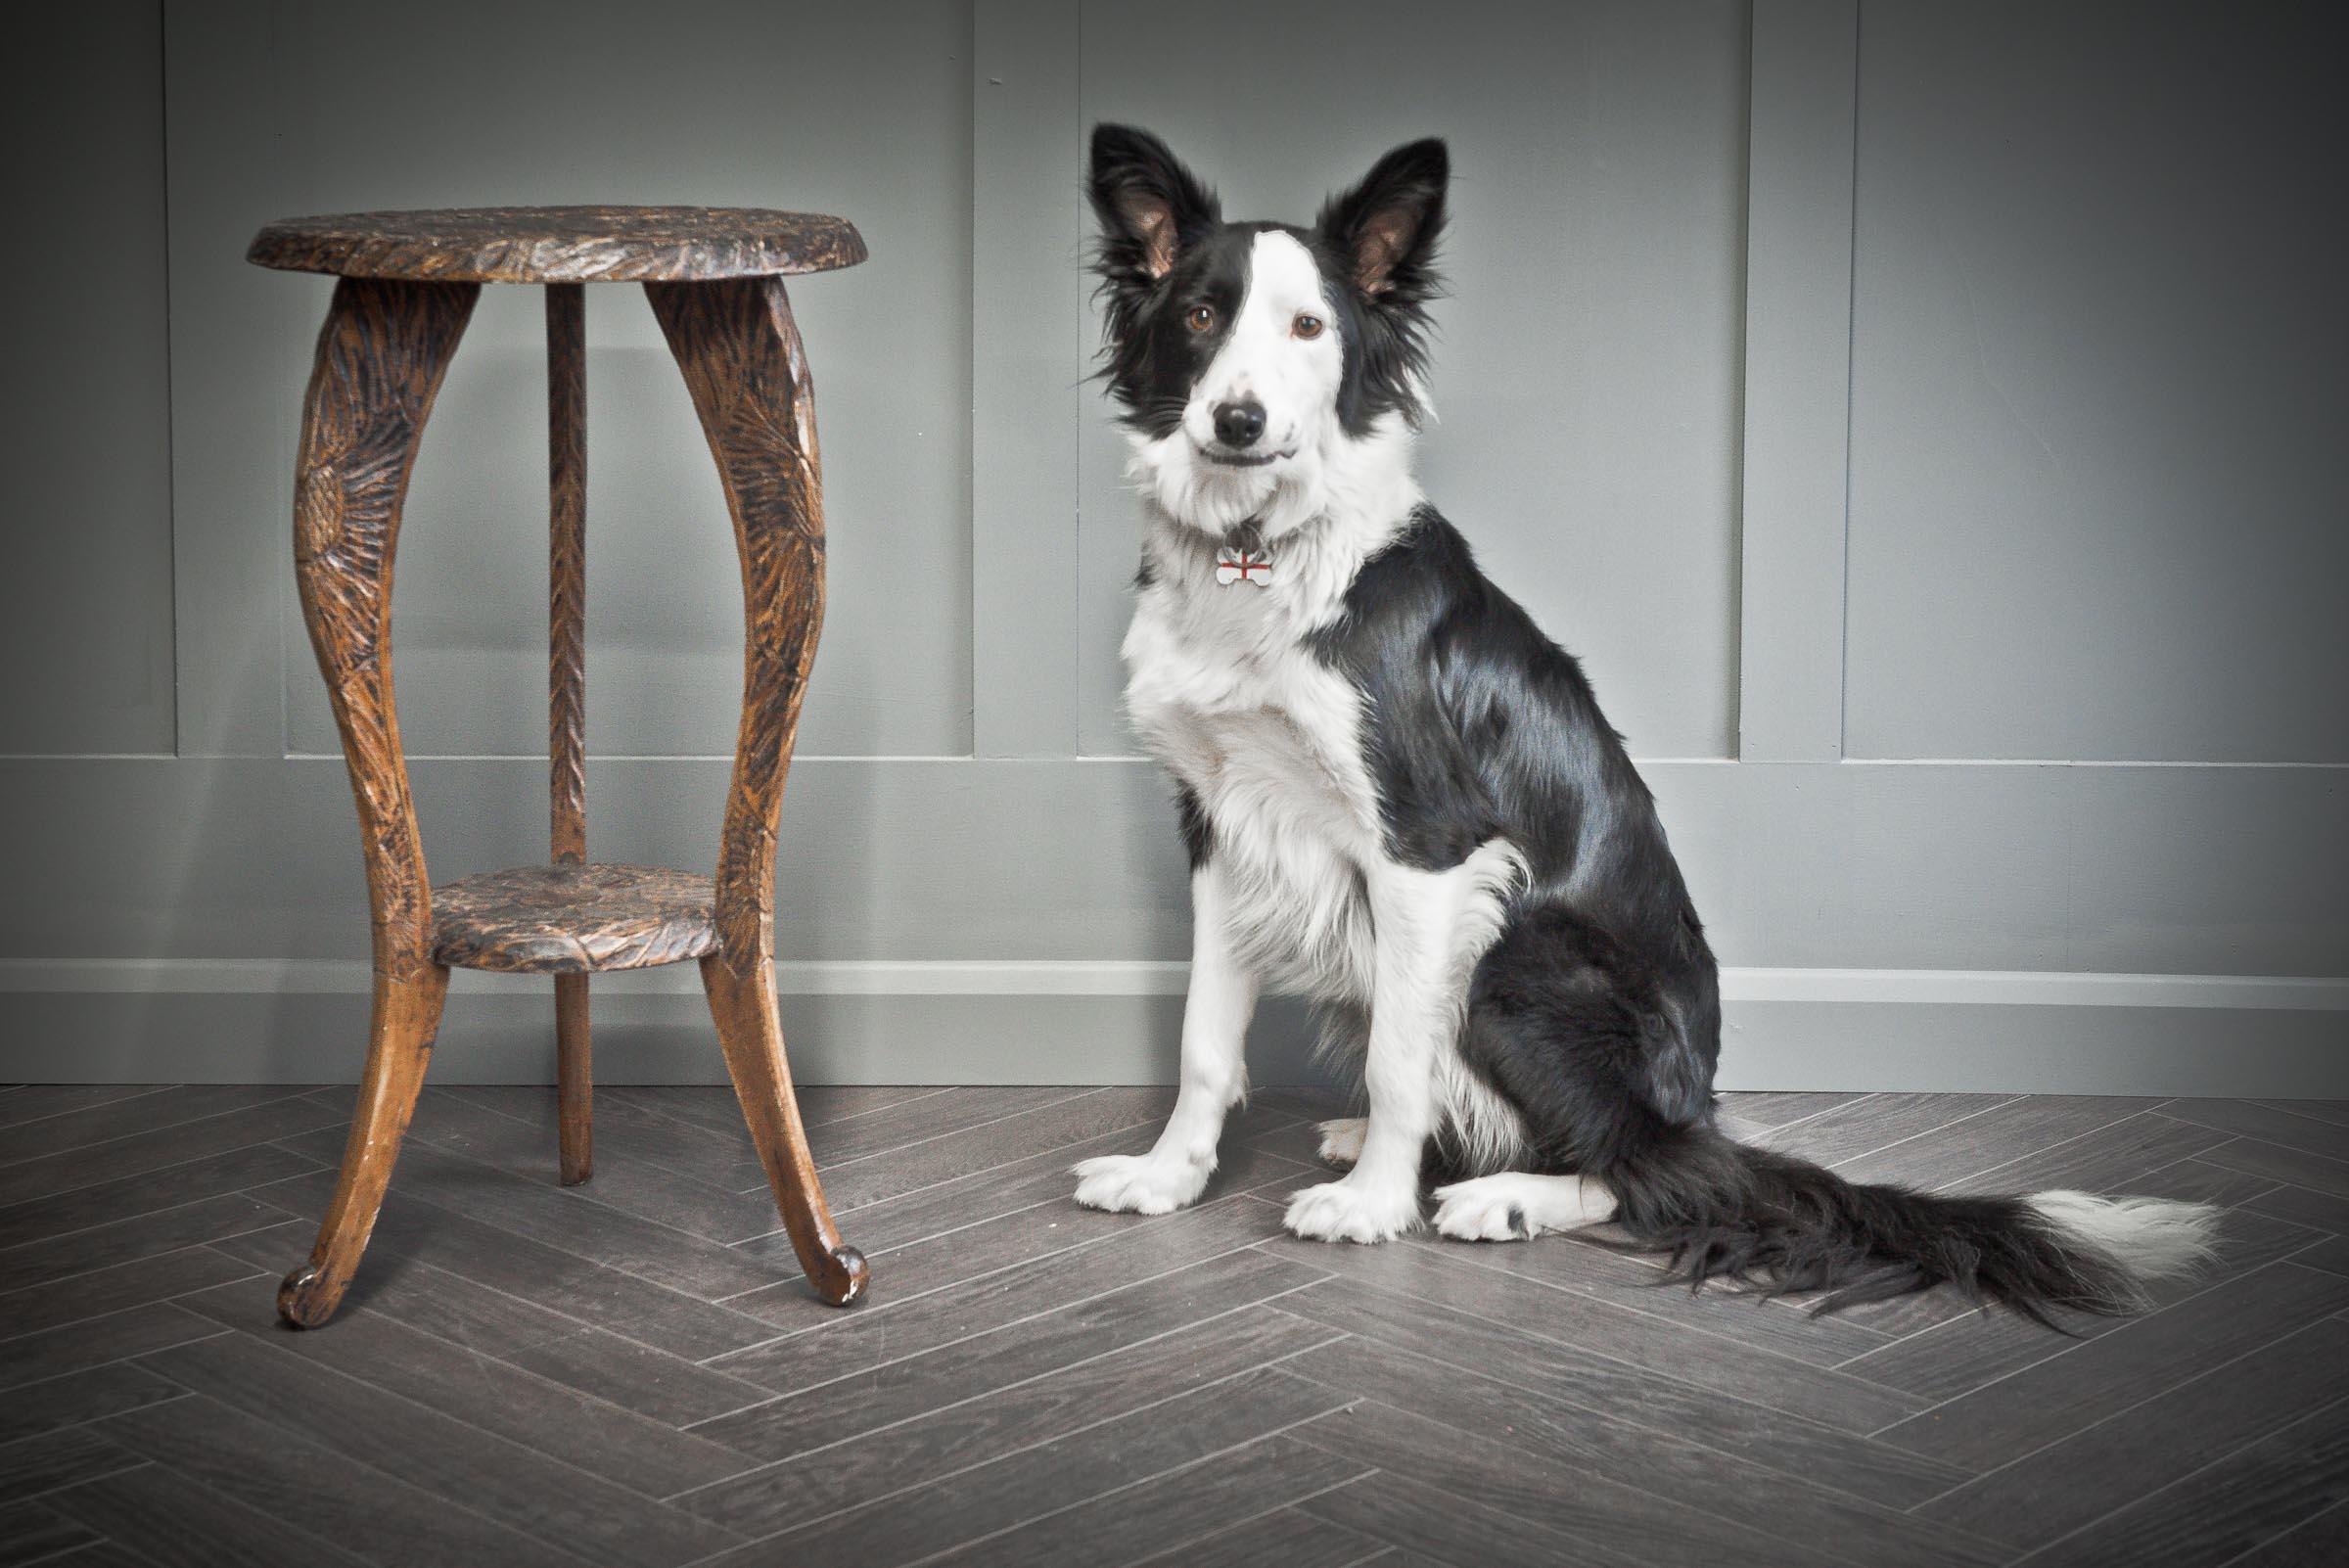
x,y
1239,424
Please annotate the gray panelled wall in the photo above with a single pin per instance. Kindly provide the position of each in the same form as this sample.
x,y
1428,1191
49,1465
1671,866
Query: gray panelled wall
x,y
1922,419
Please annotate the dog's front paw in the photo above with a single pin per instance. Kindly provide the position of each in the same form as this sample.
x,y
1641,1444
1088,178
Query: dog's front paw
x,y
1342,1140
1139,1183
1351,1211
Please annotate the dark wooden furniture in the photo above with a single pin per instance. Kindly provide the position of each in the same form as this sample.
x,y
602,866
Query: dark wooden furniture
x,y
408,282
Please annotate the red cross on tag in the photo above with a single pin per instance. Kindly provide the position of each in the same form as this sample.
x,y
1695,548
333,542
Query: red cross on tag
x,y
1235,565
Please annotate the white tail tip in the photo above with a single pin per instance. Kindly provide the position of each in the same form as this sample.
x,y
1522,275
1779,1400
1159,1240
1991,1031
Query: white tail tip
x,y
2151,1239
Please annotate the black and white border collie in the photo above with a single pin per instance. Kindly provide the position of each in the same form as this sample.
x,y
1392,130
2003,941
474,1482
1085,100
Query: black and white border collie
x,y
1401,799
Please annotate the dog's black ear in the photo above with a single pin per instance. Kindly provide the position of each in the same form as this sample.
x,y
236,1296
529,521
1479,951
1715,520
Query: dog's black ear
x,y
1388,227
1150,207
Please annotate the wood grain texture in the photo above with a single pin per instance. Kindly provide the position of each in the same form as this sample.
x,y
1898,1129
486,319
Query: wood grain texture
x,y
561,244
380,358
399,1046
528,1373
746,372
572,919
566,693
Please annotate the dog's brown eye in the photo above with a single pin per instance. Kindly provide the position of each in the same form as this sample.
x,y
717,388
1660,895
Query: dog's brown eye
x,y
1307,326
1201,317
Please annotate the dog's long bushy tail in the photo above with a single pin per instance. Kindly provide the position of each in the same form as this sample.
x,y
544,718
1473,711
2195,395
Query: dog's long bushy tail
x,y
1781,1223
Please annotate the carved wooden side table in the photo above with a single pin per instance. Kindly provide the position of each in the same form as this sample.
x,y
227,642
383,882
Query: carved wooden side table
x,y
407,284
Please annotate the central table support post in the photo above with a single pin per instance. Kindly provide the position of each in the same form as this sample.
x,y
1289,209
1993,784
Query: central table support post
x,y
381,356
567,692
748,374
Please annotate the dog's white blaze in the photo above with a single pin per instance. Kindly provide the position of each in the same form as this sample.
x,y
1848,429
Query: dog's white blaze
x,y
1326,474
1296,378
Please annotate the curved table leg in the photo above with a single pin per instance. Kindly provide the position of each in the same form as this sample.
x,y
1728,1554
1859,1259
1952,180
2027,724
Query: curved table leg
x,y
748,374
381,356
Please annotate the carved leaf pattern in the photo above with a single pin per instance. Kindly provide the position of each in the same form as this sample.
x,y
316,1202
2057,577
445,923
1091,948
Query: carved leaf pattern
x,y
747,371
380,358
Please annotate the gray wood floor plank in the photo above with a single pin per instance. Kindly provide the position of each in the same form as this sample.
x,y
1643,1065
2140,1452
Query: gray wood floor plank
x,y
1950,1359
638,1377
130,1240
1066,1472
35,1102
1042,1176
2269,1123
647,1456
571,1220
1284,1537
2223,1509
2107,1160
448,1306
97,1554
2313,1171
1054,1225
2195,1180
1004,1141
1873,1121
110,1162
887,1330
62,1302
2334,1111
2322,1541
174,1522
1438,1278
1640,1286
84,1396
2056,1490
67,1457
1610,1392
1950,1154
547,1276
1622,1522
2319,1211
921,1452
520,1135
2330,1254
569,1512
1558,1439
124,1198
34,1531
1166,1512
1037,1382
2057,1397
331,1495
714,1106
124,1117
96,1341
1438,1527
900,1126
1779,1108
901,1390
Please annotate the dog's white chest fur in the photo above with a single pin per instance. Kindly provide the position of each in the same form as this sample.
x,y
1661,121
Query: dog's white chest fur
x,y
1268,738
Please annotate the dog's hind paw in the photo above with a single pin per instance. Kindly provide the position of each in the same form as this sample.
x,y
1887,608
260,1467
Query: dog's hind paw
x,y
1139,1183
1342,1140
1515,1206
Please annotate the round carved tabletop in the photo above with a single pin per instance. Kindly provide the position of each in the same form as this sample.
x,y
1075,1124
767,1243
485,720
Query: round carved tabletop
x,y
561,244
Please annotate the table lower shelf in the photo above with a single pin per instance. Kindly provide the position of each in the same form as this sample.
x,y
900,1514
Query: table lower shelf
x,y
572,919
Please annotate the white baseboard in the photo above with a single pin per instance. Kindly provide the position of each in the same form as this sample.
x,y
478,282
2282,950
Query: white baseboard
x,y
945,1021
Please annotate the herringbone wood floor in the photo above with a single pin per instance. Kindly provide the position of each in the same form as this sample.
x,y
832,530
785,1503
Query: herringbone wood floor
x,y
631,1373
